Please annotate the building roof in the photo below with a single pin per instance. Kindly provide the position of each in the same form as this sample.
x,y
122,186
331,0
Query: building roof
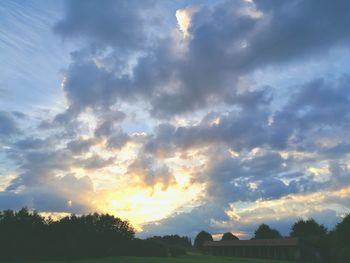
x,y
277,242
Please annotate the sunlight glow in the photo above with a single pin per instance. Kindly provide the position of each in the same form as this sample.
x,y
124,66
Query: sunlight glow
x,y
141,205
184,18
5,180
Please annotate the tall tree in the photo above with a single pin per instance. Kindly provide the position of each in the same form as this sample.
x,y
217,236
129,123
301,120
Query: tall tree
x,y
265,232
26,235
307,228
342,232
229,236
202,237
172,240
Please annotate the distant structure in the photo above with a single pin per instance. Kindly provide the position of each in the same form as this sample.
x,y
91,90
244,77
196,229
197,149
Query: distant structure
x,y
279,248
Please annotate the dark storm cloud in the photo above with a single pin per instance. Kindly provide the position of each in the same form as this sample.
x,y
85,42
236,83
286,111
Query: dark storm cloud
x,y
118,140
11,200
117,23
318,105
86,85
43,181
115,31
30,143
339,150
150,173
18,114
230,180
41,165
80,146
216,56
109,129
340,174
225,43
273,188
65,194
95,162
161,143
244,128
108,123
297,29
312,107
38,166
8,124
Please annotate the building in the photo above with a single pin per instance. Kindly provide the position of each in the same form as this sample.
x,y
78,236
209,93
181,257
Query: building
x,y
280,248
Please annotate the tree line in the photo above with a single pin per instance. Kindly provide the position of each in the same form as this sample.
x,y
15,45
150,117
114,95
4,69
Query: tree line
x,y
176,245
26,235
334,244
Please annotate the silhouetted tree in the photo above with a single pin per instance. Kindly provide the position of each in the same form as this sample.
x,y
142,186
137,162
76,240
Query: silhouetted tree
x,y
26,235
173,240
146,248
342,232
265,232
92,235
340,238
202,237
229,236
176,245
314,233
307,228
21,234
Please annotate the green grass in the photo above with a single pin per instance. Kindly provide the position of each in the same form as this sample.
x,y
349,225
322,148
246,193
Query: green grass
x,y
184,259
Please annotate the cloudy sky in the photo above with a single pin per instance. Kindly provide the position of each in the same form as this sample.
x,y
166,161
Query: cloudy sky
x,y
177,115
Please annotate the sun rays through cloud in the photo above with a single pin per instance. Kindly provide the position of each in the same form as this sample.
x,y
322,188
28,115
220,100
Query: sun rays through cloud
x,y
177,116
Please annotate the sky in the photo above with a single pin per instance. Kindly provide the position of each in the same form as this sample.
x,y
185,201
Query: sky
x,y
179,116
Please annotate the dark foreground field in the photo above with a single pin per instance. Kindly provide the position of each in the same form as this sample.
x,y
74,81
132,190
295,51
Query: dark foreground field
x,y
184,259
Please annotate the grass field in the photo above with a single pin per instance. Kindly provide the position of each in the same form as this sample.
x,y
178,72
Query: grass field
x,y
184,259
